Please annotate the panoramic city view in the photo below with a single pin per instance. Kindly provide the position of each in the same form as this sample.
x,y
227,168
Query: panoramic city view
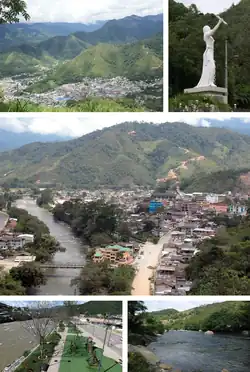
x,y
117,207
91,57
189,335
60,336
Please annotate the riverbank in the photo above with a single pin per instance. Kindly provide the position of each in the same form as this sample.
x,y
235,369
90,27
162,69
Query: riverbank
x,y
58,279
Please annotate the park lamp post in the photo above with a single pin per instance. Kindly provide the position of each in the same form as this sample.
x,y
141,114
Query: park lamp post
x,y
106,316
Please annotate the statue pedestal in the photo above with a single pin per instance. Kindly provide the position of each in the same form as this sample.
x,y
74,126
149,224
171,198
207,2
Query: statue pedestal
x,y
219,94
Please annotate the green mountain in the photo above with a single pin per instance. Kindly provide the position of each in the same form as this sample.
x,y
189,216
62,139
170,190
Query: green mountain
x,y
138,60
31,56
102,307
128,29
186,47
16,63
18,33
218,317
224,180
117,156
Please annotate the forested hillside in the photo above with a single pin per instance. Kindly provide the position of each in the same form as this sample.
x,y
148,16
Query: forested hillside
x,y
218,317
186,47
128,154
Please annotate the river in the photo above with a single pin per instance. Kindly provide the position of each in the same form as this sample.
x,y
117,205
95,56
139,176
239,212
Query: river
x,y
58,279
14,341
197,352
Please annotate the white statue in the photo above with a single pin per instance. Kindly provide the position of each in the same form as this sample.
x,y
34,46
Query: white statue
x,y
208,69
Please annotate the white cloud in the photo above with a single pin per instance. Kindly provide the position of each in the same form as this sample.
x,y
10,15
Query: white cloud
x,y
182,303
76,126
68,125
89,11
211,6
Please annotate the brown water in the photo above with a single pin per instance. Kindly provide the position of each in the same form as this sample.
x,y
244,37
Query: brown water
x,y
14,341
58,279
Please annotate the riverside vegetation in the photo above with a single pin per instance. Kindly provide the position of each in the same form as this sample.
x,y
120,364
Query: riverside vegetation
x,y
144,327
222,266
186,48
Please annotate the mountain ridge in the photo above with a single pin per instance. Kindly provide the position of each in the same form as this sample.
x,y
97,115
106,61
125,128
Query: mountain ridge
x,y
117,156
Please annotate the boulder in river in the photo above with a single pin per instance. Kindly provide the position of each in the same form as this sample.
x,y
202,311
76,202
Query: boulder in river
x,y
246,333
166,367
209,333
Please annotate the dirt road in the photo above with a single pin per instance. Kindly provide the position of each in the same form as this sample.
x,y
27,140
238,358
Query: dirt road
x,y
141,283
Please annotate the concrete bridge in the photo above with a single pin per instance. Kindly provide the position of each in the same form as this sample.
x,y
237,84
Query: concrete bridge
x,y
61,266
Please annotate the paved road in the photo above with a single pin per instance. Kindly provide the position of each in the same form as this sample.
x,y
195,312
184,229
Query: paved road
x,y
150,257
113,347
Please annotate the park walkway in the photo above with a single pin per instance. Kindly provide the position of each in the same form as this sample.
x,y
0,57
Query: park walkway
x,y
58,352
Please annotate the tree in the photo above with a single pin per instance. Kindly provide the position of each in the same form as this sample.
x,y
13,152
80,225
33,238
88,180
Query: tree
x,y
29,274
10,286
12,10
43,317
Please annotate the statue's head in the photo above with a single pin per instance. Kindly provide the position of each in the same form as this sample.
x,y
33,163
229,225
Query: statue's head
x,y
206,29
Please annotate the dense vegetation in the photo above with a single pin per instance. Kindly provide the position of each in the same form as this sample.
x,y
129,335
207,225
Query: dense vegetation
x,y
102,279
186,47
97,223
34,362
12,11
20,279
222,267
86,105
225,180
101,307
142,326
114,156
142,330
218,317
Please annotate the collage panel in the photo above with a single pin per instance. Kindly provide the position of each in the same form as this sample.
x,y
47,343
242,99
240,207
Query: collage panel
x,y
81,56
208,53
189,334
61,336
125,205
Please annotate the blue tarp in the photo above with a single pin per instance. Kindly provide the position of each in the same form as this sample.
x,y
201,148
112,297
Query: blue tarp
x,y
154,205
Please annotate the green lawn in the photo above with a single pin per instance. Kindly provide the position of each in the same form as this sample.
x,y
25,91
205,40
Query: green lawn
x,y
77,361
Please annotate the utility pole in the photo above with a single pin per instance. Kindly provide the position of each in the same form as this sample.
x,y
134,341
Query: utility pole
x,y
104,343
226,68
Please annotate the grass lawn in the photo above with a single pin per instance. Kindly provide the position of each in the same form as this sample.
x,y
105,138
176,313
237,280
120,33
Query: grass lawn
x,y
77,361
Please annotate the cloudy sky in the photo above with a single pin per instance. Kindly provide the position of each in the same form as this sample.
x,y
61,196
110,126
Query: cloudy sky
x,y
181,303
89,11
72,126
211,6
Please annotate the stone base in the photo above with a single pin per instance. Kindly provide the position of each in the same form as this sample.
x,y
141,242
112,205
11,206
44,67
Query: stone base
x,y
220,94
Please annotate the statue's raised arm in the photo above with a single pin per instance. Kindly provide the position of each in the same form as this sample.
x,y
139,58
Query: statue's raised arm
x,y
208,70
212,32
